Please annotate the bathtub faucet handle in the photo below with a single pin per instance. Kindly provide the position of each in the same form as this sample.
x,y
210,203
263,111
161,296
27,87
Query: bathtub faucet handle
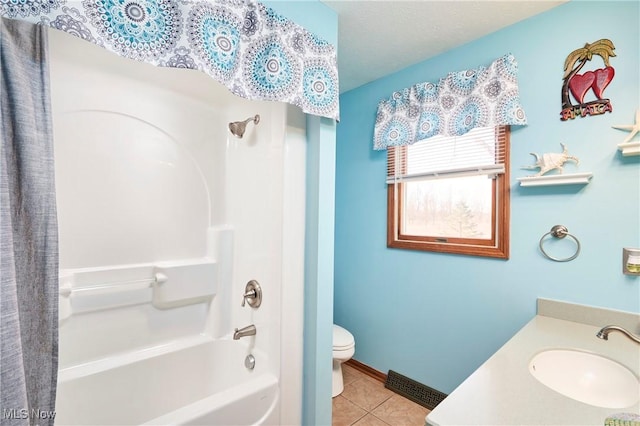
x,y
252,294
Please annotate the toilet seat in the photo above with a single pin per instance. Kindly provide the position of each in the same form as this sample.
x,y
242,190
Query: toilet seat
x,y
342,339
344,347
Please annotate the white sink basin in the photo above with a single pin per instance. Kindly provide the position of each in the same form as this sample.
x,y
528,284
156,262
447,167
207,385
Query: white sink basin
x,y
586,377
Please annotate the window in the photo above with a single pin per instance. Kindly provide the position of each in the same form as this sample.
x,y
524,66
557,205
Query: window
x,y
451,194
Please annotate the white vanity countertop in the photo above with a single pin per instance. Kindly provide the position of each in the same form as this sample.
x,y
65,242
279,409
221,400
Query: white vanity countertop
x,y
503,392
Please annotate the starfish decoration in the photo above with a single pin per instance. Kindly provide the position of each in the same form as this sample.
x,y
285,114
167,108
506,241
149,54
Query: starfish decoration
x,y
632,128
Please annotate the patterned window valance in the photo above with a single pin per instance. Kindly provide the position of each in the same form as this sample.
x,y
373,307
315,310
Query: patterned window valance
x,y
243,44
481,97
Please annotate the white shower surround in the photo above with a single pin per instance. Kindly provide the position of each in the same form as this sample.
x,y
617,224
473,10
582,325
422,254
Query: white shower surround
x,y
149,177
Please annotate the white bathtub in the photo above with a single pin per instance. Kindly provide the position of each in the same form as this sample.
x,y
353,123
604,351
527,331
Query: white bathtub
x,y
195,382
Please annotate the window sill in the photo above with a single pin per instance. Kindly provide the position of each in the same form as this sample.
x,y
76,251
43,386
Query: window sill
x,y
451,248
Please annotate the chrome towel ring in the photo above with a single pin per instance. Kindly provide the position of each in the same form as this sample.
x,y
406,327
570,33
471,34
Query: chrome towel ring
x,y
560,231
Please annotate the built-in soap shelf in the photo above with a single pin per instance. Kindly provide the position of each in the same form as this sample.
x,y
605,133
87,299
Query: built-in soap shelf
x,y
165,284
559,179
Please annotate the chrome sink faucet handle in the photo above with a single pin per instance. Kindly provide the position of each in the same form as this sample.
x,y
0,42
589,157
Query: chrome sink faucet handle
x,y
604,333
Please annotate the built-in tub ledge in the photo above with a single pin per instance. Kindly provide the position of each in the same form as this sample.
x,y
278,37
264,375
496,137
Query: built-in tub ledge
x,y
166,284
502,391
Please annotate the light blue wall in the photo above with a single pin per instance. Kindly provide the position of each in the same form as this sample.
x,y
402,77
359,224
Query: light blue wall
x,y
437,317
319,241
318,307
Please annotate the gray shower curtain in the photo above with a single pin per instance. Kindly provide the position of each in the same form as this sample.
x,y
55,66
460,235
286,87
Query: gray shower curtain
x,y
28,230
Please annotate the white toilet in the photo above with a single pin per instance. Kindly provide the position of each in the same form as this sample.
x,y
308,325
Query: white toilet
x,y
344,346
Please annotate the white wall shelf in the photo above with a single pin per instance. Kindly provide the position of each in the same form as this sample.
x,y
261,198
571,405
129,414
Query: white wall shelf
x,y
629,148
563,179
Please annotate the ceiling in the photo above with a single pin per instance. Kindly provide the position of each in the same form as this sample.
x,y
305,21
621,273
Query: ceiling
x,y
376,38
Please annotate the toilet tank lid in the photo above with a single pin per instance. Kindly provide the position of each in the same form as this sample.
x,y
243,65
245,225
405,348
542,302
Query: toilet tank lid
x,y
341,337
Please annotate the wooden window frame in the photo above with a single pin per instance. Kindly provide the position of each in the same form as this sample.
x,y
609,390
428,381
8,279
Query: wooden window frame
x,y
497,247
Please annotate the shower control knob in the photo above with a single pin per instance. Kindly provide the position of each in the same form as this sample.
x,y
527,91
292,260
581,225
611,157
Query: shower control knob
x,y
252,294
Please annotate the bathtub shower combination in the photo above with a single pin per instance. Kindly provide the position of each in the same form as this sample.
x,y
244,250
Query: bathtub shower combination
x,y
164,217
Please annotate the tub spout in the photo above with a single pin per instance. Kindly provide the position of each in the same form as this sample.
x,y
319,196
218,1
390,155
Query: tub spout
x,y
249,330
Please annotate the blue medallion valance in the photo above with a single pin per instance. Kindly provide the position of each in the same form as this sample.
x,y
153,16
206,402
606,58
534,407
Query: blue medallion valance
x,y
460,102
248,47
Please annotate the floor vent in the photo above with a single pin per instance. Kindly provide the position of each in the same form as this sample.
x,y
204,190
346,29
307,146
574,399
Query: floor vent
x,y
415,391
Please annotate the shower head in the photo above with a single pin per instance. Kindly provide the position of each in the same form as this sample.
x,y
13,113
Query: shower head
x,y
237,128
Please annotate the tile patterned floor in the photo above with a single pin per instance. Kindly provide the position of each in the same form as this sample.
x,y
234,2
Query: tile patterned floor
x,y
366,402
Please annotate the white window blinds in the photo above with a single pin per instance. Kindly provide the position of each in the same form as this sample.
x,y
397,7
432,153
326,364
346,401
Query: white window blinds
x,y
481,151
